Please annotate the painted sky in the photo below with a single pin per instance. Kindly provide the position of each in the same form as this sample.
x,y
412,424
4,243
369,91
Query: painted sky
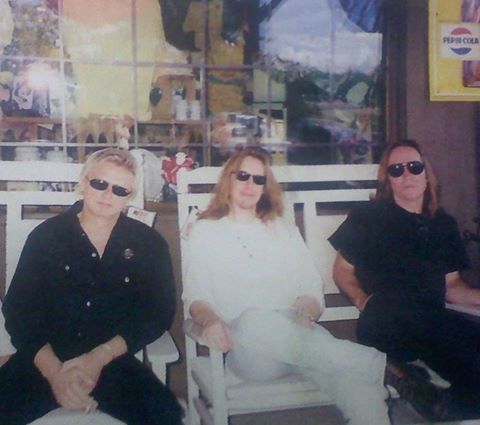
x,y
301,31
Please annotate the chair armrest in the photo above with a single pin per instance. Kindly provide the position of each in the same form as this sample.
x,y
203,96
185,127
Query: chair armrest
x,y
216,371
161,352
194,331
163,349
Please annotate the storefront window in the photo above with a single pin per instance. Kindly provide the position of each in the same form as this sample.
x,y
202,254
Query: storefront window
x,y
325,62
302,78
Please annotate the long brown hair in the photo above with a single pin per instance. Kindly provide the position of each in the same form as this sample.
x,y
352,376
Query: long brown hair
x,y
270,204
384,189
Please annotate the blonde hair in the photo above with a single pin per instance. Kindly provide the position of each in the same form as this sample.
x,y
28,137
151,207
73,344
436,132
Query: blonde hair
x,y
384,189
119,157
270,204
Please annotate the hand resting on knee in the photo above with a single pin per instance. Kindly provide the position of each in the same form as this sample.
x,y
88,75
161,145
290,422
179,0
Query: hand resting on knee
x,y
216,333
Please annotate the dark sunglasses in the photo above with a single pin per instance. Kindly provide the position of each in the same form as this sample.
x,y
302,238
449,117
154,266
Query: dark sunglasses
x,y
414,167
99,184
243,176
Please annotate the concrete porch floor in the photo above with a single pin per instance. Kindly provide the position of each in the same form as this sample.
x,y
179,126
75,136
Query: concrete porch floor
x,y
403,414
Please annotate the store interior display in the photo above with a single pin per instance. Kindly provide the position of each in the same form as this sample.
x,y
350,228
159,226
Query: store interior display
x,y
196,78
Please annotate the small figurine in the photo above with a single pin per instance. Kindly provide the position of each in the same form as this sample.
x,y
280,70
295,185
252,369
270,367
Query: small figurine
x,y
170,167
122,134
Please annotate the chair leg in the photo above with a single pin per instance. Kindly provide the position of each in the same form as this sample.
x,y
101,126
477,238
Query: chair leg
x,y
193,393
193,416
219,402
220,416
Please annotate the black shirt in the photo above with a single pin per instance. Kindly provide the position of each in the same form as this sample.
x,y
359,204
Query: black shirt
x,y
399,253
64,294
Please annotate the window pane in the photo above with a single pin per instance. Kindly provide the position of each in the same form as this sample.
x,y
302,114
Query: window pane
x,y
229,90
101,107
330,71
30,101
98,30
160,34
172,106
30,89
102,90
302,78
238,112
232,32
104,130
29,28
166,93
226,42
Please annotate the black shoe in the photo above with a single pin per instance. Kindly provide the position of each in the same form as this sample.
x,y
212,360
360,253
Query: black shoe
x,y
429,400
465,404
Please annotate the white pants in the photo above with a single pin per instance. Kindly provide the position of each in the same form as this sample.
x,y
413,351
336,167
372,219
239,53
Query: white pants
x,y
268,345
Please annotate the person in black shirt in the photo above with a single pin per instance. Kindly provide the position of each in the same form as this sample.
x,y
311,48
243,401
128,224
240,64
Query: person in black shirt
x,y
398,260
91,288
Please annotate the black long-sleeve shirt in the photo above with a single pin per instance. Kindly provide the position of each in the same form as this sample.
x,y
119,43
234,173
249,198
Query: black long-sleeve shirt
x,y
64,294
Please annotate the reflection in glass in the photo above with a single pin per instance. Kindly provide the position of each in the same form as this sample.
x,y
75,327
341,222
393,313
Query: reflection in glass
x,y
166,139
81,152
171,94
97,30
6,24
30,106
240,114
328,55
303,78
160,37
319,35
173,123
229,91
102,90
30,89
35,28
103,106
234,30
103,130
220,50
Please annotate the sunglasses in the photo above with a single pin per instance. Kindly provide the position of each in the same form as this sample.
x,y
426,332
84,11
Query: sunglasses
x,y
243,176
414,167
117,190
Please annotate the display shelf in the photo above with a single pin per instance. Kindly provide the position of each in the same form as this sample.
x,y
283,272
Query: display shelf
x,y
171,122
31,132
28,128
31,120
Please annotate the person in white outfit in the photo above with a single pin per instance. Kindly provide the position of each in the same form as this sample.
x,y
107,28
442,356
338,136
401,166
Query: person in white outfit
x,y
252,286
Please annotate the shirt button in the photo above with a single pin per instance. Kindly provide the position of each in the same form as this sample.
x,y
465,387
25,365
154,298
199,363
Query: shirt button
x,y
94,254
126,279
88,303
67,268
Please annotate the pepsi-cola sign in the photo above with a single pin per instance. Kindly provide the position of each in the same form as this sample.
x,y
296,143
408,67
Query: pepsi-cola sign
x,y
460,40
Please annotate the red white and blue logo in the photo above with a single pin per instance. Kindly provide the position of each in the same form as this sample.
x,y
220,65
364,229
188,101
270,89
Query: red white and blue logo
x,y
466,37
460,40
